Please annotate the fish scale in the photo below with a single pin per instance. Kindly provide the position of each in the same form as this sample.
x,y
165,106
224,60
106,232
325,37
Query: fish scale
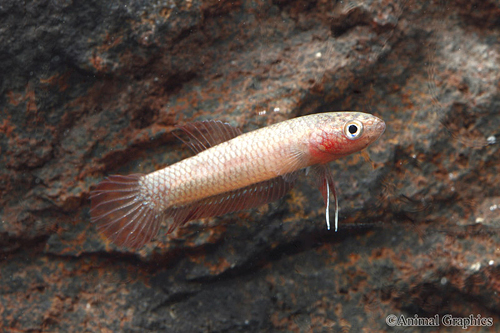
x,y
229,172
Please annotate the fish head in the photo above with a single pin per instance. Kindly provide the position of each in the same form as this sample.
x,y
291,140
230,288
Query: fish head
x,y
339,134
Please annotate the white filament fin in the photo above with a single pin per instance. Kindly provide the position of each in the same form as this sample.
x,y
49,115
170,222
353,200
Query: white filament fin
x,y
327,213
326,184
336,213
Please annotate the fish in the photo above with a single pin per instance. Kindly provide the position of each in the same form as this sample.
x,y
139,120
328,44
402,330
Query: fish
x,y
229,171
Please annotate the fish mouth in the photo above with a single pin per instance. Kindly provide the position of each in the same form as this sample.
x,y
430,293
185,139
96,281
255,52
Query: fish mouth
x,y
377,127
380,126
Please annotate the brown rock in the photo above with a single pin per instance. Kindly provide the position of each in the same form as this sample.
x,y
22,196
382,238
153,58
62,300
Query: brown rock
x,y
95,88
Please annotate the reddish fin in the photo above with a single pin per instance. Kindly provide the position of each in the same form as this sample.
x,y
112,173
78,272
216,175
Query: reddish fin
x,y
120,213
202,135
326,185
247,197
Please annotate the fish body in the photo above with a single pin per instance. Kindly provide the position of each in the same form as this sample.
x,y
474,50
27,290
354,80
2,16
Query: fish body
x,y
230,171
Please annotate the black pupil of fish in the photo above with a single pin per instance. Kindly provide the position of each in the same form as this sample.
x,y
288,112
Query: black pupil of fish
x,y
353,129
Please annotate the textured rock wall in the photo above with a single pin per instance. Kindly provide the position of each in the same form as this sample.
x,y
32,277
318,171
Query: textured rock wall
x,y
91,88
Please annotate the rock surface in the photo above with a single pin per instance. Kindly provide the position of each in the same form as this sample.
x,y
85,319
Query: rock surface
x,y
94,88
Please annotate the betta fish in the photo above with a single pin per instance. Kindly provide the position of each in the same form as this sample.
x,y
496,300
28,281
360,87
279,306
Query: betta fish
x,y
230,171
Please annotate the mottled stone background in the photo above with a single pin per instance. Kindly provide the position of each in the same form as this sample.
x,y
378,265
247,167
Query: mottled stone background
x,y
92,88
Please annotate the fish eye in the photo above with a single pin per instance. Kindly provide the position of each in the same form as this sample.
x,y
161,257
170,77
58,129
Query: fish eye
x,y
353,129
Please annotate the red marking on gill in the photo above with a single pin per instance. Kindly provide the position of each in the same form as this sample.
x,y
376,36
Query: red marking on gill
x,y
326,150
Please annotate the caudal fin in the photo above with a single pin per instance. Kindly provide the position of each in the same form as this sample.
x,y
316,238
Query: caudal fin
x,y
121,213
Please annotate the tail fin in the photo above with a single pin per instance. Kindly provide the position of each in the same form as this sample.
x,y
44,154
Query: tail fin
x,y
120,212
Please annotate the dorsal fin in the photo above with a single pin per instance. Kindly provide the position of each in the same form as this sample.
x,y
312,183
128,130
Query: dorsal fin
x,y
202,135
247,197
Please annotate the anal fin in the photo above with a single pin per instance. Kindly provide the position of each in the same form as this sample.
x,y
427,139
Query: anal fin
x,y
244,198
